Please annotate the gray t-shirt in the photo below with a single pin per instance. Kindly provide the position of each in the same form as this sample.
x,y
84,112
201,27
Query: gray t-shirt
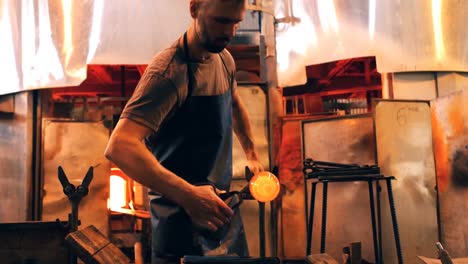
x,y
164,85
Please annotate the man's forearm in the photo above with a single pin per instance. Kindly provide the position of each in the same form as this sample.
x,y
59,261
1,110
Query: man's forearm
x,y
242,127
138,163
201,203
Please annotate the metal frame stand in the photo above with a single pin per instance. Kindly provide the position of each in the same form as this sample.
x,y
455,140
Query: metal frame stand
x,y
326,172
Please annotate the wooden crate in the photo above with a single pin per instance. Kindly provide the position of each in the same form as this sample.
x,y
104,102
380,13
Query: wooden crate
x,y
93,247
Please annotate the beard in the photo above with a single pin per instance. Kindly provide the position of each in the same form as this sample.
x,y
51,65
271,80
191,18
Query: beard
x,y
213,45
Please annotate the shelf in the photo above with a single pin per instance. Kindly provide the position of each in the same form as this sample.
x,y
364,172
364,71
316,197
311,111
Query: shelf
x,y
138,213
348,90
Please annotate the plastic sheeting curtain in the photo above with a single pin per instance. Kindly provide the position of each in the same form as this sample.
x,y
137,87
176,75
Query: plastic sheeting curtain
x,y
48,43
412,35
44,43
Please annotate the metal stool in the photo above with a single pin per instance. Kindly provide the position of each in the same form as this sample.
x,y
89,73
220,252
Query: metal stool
x,y
342,175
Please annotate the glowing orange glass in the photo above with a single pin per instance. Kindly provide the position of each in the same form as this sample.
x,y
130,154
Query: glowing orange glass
x,y
264,186
118,190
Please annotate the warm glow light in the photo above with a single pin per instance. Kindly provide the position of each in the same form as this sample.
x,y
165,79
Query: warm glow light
x,y
327,15
95,35
67,30
118,190
264,186
68,48
297,36
372,7
438,33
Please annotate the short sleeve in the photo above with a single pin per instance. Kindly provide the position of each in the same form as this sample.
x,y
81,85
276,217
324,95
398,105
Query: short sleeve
x,y
153,99
230,65
233,83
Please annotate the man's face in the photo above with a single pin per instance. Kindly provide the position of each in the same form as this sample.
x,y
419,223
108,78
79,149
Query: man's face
x,y
217,23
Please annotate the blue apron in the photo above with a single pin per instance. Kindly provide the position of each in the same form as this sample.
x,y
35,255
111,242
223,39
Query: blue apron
x,y
195,144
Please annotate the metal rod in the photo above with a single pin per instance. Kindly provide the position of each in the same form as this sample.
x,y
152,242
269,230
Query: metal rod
x,y
122,84
274,227
73,222
74,217
36,198
306,201
261,225
394,220
374,225
311,219
333,164
324,217
379,220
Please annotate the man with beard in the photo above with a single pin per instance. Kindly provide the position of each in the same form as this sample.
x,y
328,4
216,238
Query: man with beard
x,y
175,134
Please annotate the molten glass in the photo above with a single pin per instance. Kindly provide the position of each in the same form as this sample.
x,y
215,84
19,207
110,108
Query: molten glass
x,y
264,186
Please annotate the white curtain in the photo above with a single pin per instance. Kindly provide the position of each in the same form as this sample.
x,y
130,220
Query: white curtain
x,y
48,43
404,35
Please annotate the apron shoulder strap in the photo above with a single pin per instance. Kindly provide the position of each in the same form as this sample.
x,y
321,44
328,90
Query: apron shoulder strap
x,y
229,72
189,68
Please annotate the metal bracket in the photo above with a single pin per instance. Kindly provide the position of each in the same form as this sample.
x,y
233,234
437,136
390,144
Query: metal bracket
x,y
74,194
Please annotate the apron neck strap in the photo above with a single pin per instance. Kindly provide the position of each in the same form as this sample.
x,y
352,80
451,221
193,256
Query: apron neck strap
x,y
189,67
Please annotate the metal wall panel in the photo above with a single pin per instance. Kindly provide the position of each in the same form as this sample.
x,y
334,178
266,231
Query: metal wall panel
x,y
75,146
291,225
342,140
450,135
16,159
404,150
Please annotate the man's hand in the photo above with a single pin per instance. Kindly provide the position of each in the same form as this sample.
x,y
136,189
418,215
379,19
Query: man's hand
x,y
254,166
206,209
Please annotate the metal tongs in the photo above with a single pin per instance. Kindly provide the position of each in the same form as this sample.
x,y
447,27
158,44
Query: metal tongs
x,y
235,198
314,169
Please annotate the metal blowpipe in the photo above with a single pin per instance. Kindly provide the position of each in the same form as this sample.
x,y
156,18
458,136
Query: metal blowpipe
x,y
443,254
